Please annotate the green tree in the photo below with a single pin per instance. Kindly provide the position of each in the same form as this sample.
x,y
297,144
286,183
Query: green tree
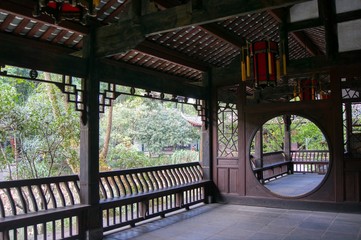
x,y
163,127
44,130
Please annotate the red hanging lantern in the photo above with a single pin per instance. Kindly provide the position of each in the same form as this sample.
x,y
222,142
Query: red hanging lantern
x,y
308,89
264,63
63,10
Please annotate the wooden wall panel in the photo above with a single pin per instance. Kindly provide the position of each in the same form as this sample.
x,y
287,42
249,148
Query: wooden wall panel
x,y
352,186
234,180
222,180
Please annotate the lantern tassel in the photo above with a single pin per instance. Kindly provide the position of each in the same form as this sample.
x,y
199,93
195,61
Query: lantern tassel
x,y
269,58
278,69
243,69
284,64
248,61
243,66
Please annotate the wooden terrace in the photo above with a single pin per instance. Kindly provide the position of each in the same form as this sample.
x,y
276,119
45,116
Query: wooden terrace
x,y
234,222
243,62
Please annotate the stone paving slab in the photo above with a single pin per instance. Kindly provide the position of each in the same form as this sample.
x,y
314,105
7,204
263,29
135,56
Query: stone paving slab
x,y
231,222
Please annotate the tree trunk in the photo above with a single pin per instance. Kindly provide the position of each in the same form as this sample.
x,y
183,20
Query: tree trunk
x,y
51,95
104,152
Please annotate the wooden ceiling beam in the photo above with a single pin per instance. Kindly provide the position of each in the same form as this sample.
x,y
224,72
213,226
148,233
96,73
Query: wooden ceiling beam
x,y
168,54
125,35
306,42
21,9
40,56
140,77
323,63
51,58
299,36
223,34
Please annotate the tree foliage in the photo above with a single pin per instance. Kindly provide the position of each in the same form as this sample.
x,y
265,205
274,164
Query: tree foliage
x,y
40,130
304,135
39,134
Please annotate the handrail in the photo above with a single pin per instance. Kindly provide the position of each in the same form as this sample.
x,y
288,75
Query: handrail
x,y
29,207
143,180
302,161
131,194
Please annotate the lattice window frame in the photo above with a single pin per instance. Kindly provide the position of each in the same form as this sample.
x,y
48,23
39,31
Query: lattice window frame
x,y
227,130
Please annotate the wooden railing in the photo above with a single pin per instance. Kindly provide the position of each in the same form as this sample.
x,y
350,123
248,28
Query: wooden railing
x,y
133,195
271,166
46,208
274,164
310,161
50,208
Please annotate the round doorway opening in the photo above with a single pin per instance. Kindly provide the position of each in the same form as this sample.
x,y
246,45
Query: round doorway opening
x,y
290,155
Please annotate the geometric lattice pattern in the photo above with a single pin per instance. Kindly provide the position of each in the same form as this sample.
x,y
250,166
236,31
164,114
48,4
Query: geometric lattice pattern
x,y
352,128
227,130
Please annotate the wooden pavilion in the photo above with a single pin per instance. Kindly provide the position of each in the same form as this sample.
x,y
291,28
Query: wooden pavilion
x,y
204,50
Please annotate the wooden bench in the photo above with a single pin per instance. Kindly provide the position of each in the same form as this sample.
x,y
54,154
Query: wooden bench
x,y
31,207
133,195
274,165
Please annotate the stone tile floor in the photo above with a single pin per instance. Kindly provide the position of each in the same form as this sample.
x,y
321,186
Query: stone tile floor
x,y
295,184
228,222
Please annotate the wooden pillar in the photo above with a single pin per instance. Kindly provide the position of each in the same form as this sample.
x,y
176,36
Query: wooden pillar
x,y
243,154
207,130
337,135
287,141
207,134
258,148
327,11
89,144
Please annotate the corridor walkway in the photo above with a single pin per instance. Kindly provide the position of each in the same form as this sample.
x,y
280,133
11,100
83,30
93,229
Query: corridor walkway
x,y
228,222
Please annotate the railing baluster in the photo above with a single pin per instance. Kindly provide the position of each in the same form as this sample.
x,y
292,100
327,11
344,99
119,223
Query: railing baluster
x,y
102,188
70,193
149,181
156,182
2,209
122,187
22,199
61,195
193,177
115,185
11,200
144,182
139,183
172,177
128,187
189,176
160,176
133,184
176,177
51,194
166,176
109,187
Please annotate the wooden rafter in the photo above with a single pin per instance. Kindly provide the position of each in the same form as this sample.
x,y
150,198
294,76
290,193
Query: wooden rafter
x,y
299,36
159,51
137,76
134,31
21,8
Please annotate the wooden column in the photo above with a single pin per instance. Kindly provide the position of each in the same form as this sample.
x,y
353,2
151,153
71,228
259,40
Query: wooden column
x,y
207,130
287,141
243,154
258,156
337,135
327,11
89,144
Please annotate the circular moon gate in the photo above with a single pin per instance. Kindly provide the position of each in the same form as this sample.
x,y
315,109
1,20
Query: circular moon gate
x,y
289,155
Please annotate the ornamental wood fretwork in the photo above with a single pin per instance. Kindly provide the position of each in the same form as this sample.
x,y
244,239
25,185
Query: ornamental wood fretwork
x,y
72,87
227,129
